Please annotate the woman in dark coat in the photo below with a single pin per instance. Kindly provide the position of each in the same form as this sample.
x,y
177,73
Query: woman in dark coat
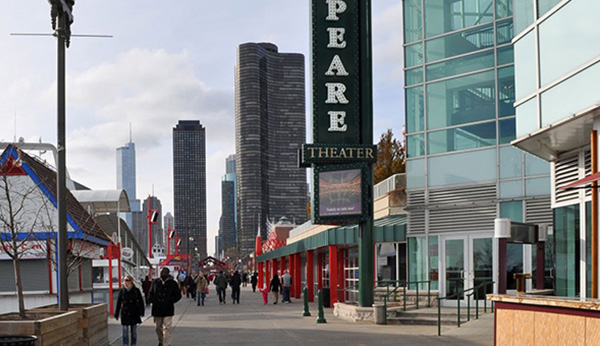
x,y
275,287
130,306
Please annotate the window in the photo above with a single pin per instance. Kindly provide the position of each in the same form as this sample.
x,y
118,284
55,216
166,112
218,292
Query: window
x,y
412,20
461,65
461,138
463,42
414,109
446,16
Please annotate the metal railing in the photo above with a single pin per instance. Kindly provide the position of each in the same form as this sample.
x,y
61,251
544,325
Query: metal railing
x,y
461,293
341,292
396,285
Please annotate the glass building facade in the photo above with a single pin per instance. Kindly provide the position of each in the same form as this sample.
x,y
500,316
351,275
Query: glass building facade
x,y
557,68
462,171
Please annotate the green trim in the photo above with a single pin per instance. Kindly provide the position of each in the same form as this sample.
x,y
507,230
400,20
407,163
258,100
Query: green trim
x,y
387,229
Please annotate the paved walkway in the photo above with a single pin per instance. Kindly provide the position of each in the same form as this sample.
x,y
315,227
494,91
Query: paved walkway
x,y
252,323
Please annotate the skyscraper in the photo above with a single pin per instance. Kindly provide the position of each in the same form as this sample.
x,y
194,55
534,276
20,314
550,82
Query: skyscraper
x,y
189,184
126,178
228,222
270,123
140,224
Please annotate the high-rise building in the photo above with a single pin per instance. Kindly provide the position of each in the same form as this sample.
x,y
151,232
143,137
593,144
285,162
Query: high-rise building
x,y
228,223
462,172
189,185
140,224
270,124
168,222
126,178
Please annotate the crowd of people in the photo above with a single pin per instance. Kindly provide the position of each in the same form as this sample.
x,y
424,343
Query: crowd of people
x,y
166,290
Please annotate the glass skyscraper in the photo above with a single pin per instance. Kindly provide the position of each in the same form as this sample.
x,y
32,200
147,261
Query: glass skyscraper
x,y
126,178
462,172
189,185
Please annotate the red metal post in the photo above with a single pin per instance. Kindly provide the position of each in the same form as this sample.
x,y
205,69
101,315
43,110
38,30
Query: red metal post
x,y
110,280
297,283
268,273
333,274
168,237
341,273
149,228
320,271
119,265
310,275
49,253
260,275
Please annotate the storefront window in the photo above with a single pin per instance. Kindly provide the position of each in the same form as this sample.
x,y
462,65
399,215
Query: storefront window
x,y
566,235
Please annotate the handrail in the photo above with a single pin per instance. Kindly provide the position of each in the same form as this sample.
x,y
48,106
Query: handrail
x,y
458,295
404,284
346,289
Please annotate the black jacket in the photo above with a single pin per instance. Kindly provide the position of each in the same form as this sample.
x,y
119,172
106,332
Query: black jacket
x,y
130,305
236,280
163,296
275,284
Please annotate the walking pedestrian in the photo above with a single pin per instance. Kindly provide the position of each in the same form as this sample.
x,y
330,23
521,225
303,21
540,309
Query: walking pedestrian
x,y
236,281
130,306
146,284
275,287
286,282
192,287
201,288
265,294
221,284
164,293
254,281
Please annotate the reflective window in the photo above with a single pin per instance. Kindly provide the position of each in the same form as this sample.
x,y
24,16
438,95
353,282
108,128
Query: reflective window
x,y
414,76
506,55
461,100
507,131
414,110
461,138
413,55
415,145
571,96
545,6
523,14
566,241
536,166
506,91
511,162
527,118
504,31
525,66
511,189
450,169
503,8
412,20
460,43
577,19
537,186
512,210
461,65
415,173
446,16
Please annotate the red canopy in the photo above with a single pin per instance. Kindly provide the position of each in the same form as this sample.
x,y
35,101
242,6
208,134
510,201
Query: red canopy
x,y
589,179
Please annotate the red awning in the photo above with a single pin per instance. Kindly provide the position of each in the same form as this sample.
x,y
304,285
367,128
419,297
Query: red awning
x,y
589,179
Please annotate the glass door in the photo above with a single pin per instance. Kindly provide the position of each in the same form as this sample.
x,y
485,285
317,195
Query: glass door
x,y
455,266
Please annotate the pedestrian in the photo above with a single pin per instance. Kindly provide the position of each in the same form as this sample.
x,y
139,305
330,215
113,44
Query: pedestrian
x,y
221,284
275,287
192,286
181,281
265,294
286,283
236,281
164,293
244,279
130,306
254,281
201,288
187,282
146,284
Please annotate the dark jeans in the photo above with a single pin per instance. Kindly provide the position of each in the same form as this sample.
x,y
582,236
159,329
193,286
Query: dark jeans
x,y
201,297
254,287
235,294
286,294
221,293
133,334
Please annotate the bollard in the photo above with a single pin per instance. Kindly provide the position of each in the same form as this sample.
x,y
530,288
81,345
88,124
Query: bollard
x,y
321,318
305,293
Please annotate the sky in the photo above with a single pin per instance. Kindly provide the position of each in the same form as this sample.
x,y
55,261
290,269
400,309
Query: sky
x,y
167,61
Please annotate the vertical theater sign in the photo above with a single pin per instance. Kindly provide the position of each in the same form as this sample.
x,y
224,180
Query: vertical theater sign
x,y
342,152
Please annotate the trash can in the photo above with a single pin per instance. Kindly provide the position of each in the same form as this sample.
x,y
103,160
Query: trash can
x,y
379,312
326,297
17,340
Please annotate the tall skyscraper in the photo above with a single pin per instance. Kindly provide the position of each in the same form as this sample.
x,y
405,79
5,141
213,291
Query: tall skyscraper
x,y
270,124
126,178
227,244
168,222
140,224
189,185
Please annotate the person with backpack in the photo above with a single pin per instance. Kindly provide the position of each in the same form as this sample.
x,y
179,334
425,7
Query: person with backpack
x,y
131,309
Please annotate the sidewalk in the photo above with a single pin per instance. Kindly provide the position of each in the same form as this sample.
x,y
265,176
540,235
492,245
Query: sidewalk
x,y
252,323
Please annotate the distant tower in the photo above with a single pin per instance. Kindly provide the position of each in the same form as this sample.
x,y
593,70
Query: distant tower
x,y
189,184
228,222
270,119
126,179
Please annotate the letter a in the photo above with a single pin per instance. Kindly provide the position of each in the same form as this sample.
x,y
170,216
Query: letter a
x,y
336,64
335,7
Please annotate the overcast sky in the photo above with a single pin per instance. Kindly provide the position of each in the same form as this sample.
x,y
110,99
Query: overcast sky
x,y
167,61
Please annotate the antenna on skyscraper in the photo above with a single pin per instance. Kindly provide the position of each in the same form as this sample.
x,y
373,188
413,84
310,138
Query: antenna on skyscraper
x,y
130,135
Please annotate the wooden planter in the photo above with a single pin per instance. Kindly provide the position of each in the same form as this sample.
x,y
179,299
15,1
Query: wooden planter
x,y
92,323
51,328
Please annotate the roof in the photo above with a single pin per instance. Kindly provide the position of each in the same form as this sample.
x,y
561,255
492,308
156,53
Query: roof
x,y
110,226
103,201
386,229
83,224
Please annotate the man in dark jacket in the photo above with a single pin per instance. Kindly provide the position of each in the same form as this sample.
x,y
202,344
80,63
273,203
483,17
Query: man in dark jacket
x,y
236,281
164,293
254,281
221,283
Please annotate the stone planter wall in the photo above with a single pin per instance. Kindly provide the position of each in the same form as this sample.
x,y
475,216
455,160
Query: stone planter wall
x,y
57,328
353,313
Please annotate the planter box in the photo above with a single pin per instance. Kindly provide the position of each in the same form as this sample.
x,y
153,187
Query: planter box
x,y
51,328
92,323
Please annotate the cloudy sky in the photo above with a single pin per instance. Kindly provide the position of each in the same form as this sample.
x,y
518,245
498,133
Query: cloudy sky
x,y
167,61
